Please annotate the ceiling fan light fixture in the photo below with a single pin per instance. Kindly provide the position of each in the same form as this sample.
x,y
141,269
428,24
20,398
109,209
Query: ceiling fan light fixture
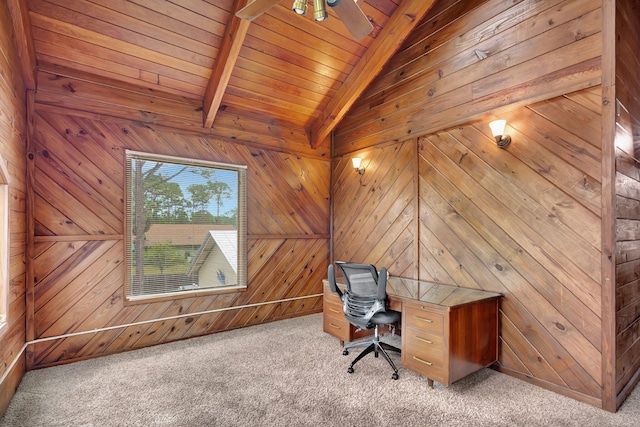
x,y
319,10
300,7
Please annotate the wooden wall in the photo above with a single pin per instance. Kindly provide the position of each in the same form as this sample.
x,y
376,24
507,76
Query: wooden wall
x,y
85,93
438,201
13,129
525,222
471,57
375,215
79,249
627,189
454,208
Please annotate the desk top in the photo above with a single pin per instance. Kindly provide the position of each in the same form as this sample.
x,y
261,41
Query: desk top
x,y
435,293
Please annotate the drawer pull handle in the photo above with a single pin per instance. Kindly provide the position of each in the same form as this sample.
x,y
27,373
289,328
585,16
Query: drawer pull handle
x,y
423,361
334,326
423,339
334,310
423,319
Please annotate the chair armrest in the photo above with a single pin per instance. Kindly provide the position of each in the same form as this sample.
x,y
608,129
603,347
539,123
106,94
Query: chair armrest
x,y
331,278
382,284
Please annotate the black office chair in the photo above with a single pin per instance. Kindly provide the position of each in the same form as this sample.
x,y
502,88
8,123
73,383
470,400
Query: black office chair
x,y
365,307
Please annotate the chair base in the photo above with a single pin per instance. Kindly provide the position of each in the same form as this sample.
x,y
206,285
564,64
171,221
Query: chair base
x,y
375,346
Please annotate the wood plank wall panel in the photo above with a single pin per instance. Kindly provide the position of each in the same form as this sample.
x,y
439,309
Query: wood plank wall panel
x,y
13,130
103,97
79,215
521,221
525,221
627,346
491,220
374,214
173,47
469,58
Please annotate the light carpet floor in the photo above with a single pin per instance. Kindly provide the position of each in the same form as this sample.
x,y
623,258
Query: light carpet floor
x,y
286,373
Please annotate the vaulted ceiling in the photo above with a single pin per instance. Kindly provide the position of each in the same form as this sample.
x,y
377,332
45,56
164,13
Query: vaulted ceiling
x,y
282,66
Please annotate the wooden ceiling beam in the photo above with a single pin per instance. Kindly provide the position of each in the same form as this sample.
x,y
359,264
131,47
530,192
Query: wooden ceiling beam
x,y
232,42
406,17
19,11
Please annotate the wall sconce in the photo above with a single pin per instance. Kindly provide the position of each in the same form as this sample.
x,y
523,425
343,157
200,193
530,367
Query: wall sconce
x,y
497,129
356,165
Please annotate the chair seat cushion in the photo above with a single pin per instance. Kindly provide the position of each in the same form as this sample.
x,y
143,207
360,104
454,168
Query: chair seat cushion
x,y
385,317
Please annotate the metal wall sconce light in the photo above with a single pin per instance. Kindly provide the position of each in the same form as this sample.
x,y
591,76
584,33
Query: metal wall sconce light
x,y
357,166
357,161
497,129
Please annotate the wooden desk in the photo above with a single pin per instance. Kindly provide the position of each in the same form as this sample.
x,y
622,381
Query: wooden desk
x,y
448,332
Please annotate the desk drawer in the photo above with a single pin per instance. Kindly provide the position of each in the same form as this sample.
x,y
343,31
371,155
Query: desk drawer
x,y
333,308
429,347
425,366
337,327
334,322
423,319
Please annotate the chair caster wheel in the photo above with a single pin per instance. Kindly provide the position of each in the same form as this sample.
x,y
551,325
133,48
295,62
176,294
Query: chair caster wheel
x,y
395,376
350,370
345,353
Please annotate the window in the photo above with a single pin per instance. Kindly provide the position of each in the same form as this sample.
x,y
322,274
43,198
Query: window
x,y
186,227
4,244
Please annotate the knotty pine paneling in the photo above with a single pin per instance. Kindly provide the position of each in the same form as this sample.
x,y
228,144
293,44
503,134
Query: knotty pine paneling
x,y
526,221
453,208
627,185
175,47
104,98
488,226
469,58
13,140
374,214
79,253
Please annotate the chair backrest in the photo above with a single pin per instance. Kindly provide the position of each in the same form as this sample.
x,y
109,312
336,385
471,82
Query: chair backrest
x,y
365,293
362,279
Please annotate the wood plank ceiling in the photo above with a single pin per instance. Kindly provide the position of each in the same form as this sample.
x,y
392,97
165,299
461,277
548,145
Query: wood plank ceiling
x,y
281,68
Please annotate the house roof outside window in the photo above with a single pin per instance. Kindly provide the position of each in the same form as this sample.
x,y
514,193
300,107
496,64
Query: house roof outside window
x,y
182,234
226,240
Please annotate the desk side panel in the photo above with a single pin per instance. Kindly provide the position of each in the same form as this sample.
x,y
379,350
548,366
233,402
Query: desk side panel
x,y
473,337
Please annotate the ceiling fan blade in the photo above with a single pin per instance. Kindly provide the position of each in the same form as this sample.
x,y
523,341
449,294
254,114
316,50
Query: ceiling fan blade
x,y
255,9
352,16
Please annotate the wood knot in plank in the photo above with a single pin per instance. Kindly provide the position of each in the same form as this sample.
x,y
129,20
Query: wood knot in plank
x,y
481,54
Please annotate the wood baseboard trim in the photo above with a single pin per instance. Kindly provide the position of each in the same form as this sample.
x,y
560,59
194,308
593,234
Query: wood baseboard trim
x,y
591,400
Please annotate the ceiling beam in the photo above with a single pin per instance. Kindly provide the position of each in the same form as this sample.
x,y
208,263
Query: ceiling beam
x,y
228,53
406,17
19,12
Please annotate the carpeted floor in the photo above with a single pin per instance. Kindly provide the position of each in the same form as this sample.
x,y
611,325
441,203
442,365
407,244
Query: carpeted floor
x,y
286,373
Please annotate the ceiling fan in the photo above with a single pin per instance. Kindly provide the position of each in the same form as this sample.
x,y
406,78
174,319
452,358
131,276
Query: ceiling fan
x,y
347,10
